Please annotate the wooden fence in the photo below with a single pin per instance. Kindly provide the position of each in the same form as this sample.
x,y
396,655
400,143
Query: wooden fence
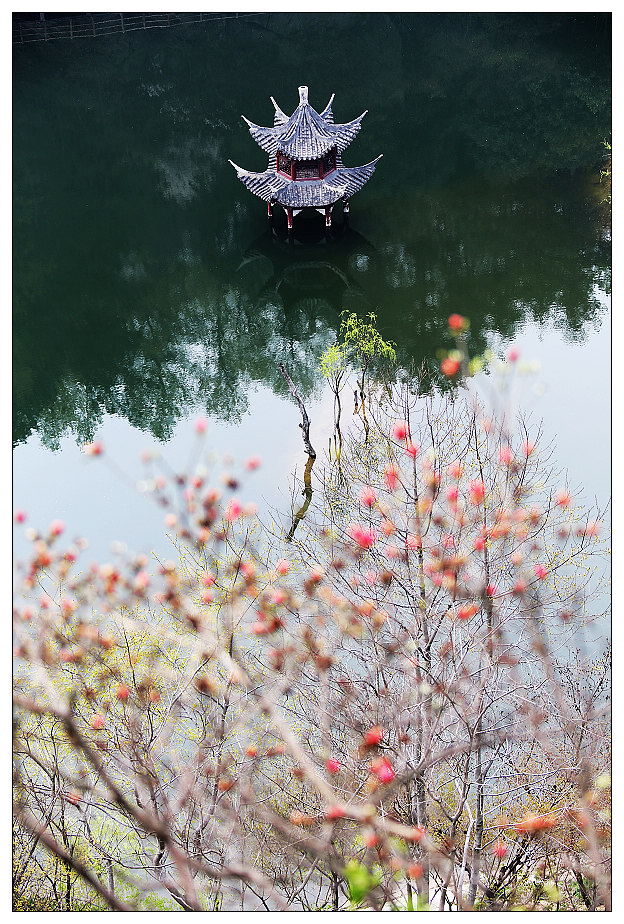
x,y
91,25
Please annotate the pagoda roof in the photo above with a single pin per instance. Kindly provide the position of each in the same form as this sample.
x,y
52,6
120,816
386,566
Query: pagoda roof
x,y
340,184
306,134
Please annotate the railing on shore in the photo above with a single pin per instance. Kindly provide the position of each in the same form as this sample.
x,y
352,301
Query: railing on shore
x,y
91,25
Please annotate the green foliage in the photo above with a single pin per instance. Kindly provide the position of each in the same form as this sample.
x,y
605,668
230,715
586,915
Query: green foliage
x,y
359,880
333,361
363,341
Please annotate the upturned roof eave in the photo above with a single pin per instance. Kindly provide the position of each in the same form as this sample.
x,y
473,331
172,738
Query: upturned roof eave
x,y
284,136
341,183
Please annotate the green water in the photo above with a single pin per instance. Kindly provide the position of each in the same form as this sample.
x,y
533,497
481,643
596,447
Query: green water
x,y
147,285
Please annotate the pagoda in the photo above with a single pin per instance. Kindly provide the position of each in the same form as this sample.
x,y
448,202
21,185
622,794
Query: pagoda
x,y
305,161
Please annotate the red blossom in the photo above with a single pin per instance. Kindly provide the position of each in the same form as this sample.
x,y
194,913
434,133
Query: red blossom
x,y
57,527
383,770
98,721
373,736
457,322
450,367
253,463
282,566
467,610
540,571
333,812
499,850
412,449
200,424
19,516
332,765
93,449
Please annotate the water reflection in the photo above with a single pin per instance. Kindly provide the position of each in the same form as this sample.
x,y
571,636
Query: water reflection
x,y
137,291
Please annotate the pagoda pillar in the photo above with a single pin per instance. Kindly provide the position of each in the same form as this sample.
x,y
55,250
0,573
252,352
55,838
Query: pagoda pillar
x,y
270,208
328,212
289,215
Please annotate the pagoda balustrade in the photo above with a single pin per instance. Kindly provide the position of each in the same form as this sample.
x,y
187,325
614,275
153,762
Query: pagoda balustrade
x,y
306,169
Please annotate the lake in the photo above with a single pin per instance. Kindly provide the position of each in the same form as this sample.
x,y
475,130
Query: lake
x,y
148,287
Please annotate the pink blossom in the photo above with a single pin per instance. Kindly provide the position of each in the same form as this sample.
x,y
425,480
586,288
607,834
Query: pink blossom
x,y
282,566
367,496
390,476
171,520
400,430
207,596
208,579
513,354
591,529
371,578
540,571
141,580
412,449
505,455
233,511
248,570
98,721
455,470
449,542
528,447
364,537
57,527
200,424
479,544
332,765
413,542
452,494
476,490
19,516
563,498
491,590
253,463
93,449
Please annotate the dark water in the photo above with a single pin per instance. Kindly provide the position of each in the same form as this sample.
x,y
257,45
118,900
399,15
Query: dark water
x,y
147,286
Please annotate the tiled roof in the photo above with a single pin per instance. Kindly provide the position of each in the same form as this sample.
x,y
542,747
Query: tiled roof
x,y
298,194
306,134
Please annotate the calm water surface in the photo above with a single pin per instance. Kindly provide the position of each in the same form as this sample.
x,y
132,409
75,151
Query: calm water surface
x,y
147,287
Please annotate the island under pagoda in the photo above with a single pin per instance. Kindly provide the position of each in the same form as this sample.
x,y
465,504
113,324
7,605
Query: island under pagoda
x,y
305,161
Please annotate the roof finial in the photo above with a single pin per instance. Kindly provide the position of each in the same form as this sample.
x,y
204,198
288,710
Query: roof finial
x,y
303,96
